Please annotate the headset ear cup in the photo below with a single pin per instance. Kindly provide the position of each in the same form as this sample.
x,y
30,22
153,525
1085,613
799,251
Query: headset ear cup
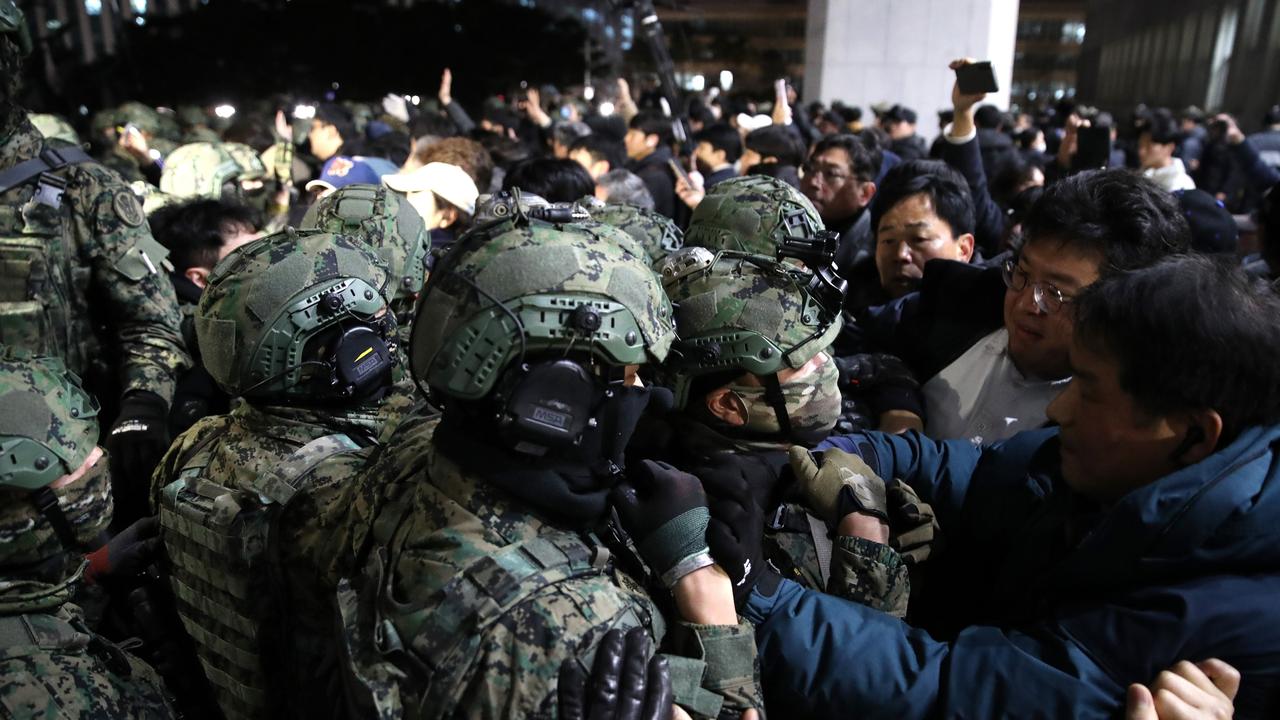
x,y
548,404
361,361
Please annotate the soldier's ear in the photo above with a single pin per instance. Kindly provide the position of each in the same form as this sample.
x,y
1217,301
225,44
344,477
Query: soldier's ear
x,y
199,276
725,404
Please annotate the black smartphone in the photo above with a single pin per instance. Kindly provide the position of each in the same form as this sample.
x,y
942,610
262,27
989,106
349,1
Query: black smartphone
x,y
679,171
1093,147
976,78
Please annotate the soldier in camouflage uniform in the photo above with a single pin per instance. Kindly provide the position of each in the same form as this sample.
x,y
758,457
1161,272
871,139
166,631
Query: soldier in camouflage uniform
x,y
656,233
230,171
55,501
492,558
254,505
385,220
83,279
751,214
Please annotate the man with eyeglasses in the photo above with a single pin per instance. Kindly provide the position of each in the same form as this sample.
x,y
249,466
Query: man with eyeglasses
x,y
991,355
839,179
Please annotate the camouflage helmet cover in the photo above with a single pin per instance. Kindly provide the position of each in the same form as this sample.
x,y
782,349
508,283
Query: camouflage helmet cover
x,y
526,285
49,424
54,127
752,214
385,220
745,312
267,302
202,169
142,116
657,234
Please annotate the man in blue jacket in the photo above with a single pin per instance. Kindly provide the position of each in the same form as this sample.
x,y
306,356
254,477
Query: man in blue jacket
x,y
1082,559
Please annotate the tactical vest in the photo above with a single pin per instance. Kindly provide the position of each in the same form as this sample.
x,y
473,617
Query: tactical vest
x,y
40,284
427,646
226,574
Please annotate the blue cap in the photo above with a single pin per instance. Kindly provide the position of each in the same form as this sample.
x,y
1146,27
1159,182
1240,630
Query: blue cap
x,y
343,170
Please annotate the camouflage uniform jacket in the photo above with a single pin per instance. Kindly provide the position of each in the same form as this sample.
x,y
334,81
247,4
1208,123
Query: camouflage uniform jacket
x,y
313,530
439,532
860,570
53,666
115,276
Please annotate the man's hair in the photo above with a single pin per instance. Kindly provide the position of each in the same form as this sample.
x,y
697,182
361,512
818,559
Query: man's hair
x,y
1163,127
466,154
898,114
785,173
1271,116
252,129
948,193
339,117
988,117
601,148
623,187
427,124
778,142
500,115
722,137
862,165
566,132
553,179
653,123
195,231
1191,332
1115,214
847,113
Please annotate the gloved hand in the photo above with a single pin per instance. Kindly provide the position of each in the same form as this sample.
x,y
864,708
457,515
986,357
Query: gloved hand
x,y
665,511
913,526
766,476
126,554
138,440
870,370
838,484
736,537
625,683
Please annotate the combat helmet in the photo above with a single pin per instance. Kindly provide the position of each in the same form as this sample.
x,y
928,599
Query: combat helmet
x,y
215,170
55,127
299,315
656,233
529,311
752,214
741,313
48,429
386,221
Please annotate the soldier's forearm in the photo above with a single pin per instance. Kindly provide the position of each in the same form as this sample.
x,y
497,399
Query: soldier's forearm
x,y
705,597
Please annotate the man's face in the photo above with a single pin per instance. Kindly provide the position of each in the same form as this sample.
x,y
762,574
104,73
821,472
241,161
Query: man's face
x,y
593,167
1038,341
325,140
1110,446
637,144
899,129
910,235
750,158
831,187
707,157
1153,154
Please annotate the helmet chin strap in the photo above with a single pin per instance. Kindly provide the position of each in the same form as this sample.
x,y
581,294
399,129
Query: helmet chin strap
x,y
46,501
773,395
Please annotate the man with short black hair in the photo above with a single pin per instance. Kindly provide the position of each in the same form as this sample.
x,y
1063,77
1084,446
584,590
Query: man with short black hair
x,y
1080,559
552,179
923,212
900,123
1156,147
993,140
718,148
1267,140
333,132
598,154
839,180
648,143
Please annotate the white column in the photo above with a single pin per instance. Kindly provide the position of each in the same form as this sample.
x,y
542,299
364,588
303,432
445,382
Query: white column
x,y
868,51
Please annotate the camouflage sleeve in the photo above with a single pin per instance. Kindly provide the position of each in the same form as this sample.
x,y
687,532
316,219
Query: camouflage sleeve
x,y
869,573
732,669
180,451
316,527
128,270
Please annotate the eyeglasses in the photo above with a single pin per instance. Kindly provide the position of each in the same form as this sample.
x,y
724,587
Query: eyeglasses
x,y
1048,298
829,175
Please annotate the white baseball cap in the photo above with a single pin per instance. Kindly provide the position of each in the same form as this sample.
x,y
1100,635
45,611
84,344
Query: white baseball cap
x,y
448,181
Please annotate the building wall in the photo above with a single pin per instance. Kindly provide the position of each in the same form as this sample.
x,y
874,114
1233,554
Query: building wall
x,y
867,51
1215,55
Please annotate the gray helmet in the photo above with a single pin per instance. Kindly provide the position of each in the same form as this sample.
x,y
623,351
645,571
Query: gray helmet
x,y
299,315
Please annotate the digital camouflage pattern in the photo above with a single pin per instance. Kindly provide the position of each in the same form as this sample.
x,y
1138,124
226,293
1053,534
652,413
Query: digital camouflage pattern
x,y
656,233
745,312
450,534
50,424
540,273
385,220
275,608
97,244
55,127
751,214
262,307
206,169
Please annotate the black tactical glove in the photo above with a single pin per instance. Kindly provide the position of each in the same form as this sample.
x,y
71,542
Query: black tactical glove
x,y
126,554
665,512
736,537
881,381
625,683
767,477
138,440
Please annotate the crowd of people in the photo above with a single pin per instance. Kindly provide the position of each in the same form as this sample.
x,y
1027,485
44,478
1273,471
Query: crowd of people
x,y
589,409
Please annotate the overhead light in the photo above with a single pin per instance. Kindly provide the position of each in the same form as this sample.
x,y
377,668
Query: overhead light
x,y
224,111
304,112
726,79
416,100
588,93
606,108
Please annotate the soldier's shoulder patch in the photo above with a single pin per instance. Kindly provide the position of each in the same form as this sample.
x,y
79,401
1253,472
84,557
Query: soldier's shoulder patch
x,y
127,208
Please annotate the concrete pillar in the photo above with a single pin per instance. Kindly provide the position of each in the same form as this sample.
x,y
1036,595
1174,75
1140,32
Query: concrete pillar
x,y
867,51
